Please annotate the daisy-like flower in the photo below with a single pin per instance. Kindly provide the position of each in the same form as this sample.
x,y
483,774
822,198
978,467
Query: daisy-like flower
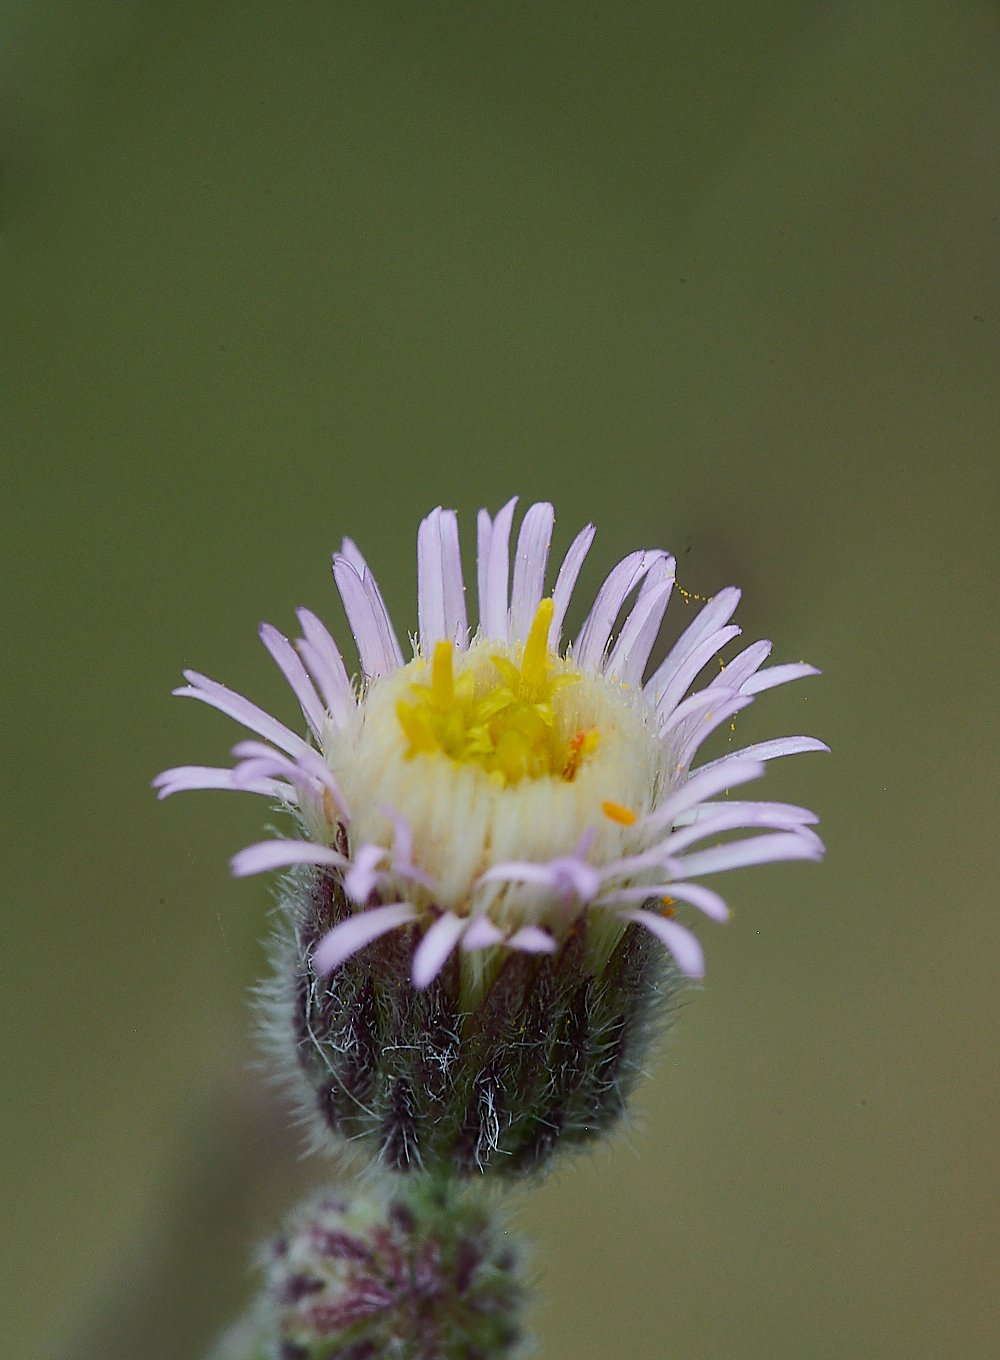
x,y
500,795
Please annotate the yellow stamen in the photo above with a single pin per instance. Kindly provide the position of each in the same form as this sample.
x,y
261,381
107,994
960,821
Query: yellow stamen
x,y
510,673
511,725
623,815
536,649
415,723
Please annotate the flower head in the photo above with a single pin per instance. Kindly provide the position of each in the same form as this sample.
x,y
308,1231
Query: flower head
x,y
498,797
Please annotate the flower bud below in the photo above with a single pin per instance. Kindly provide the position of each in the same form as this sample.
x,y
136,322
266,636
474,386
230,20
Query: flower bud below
x,y
408,1267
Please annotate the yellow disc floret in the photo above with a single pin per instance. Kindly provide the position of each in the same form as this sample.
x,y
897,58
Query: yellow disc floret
x,y
503,719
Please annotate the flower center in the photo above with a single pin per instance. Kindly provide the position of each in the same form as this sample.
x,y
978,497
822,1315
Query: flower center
x,y
503,719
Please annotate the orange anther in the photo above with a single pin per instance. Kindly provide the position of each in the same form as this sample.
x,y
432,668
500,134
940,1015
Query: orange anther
x,y
623,815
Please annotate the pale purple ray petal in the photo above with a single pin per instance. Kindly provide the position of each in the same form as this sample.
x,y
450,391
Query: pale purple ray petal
x,y
313,764
730,818
705,724
589,647
359,614
264,760
258,759
566,875
582,878
782,845
584,843
402,834
364,874
566,580
683,677
327,665
352,552
226,701
390,643
794,816
376,659
250,772
267,855
808,834
455,619
639,631
532,940
630,866
440,592
358,930
716,613
778,675
735,673
207,777
679,940
530,561
389,640
518,871
694,705
430,583
641,892
484,534
402,849
481,934
703,898
433,950
700,786
768,750
414,873
493,602
248,748
317,668
295,673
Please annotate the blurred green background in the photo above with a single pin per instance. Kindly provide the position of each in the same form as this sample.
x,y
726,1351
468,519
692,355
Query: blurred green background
x,y
722,277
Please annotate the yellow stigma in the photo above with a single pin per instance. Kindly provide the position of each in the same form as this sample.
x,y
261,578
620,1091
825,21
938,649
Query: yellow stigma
x,y
506,723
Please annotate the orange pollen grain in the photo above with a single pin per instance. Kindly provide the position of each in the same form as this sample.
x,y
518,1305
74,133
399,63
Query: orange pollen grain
x,y
622,815
579,746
